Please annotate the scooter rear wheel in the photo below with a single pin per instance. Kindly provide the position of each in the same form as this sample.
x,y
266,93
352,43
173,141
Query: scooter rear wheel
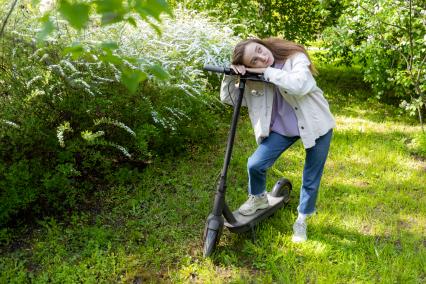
x,y
282,188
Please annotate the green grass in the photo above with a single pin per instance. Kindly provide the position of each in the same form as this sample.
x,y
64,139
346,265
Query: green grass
x,y
370,226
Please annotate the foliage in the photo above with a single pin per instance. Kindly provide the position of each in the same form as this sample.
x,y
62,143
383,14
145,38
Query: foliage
x,y
388,39
84,14
67,121
369,227
300,20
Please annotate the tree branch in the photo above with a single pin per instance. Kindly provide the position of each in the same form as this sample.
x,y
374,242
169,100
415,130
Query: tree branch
x,y
395,48
7,17
383,22
420,68
410,34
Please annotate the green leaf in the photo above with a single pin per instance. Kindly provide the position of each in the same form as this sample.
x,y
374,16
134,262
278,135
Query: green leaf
x,y
155,27
110,58
105,6
152,25
46,28
76,50
109,45
152,8
158,72
111,17
77,14
132,21
112,11
132,78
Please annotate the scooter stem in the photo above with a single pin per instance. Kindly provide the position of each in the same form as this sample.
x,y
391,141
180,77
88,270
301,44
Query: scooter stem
x,y
221,189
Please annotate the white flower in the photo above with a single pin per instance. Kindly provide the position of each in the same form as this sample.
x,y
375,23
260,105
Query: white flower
x,y
11,123
60,130
46,5
106,120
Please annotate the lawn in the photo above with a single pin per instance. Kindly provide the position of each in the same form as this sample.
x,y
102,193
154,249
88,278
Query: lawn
x,y
370,226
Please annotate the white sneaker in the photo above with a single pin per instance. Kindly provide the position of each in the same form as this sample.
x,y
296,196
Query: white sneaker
x,y
254,203
299,232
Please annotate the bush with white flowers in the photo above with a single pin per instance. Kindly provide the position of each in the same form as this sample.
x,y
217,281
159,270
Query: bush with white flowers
x,y
71,110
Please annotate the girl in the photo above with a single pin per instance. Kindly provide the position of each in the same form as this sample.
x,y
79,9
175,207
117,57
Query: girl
x,y
289,107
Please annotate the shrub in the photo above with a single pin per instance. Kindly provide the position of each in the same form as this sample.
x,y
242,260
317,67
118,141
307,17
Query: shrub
x,y
299,20
387,38
67,122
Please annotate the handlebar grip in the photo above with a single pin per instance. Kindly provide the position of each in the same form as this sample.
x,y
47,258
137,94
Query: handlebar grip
x,y
217,69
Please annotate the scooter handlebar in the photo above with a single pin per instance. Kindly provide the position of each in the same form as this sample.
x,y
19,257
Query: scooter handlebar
x,y
230,71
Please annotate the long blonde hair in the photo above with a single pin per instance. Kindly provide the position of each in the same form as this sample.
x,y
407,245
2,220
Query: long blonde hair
x,y
281,50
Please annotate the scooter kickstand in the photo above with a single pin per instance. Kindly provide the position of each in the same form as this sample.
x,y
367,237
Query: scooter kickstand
x,y
253,234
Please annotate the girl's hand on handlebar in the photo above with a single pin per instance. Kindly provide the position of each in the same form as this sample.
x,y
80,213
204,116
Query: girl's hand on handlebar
x,y
256,70
239,69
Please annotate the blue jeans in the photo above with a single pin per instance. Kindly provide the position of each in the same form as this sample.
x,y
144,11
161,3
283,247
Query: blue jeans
x,y
269,151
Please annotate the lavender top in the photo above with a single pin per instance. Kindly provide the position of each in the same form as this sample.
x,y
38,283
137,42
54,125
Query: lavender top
x,y
283,118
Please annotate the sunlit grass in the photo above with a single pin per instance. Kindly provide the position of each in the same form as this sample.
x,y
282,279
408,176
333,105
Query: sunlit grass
x,y
364,125
370,213
370,225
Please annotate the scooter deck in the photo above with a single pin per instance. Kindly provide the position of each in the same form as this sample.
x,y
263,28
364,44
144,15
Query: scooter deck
x,y
245,223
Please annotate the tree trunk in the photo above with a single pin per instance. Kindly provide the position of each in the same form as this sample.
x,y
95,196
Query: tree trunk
x,y
7,17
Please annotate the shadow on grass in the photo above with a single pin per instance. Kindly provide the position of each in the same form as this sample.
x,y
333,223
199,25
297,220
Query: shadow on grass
x,y
332,251
372,181
160,221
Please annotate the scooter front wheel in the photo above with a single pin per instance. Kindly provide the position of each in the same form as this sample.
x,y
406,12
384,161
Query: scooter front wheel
x,y
212,232
210,241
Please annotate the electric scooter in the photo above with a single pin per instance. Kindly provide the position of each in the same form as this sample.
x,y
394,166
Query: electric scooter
x,y
221,215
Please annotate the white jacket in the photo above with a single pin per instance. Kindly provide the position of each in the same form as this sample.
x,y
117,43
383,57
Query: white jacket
x,y
299,89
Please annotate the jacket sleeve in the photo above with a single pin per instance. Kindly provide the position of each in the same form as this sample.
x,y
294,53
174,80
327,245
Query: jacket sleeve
x,y
296,82
229,91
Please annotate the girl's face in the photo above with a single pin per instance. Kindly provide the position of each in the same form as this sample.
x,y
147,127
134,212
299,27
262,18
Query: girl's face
x,y
257,56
